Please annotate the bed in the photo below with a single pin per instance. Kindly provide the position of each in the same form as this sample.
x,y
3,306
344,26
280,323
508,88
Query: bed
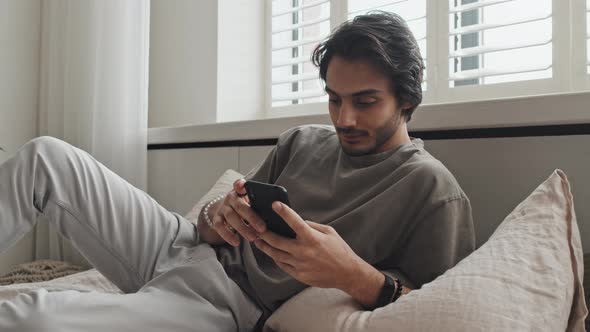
x,y
527,276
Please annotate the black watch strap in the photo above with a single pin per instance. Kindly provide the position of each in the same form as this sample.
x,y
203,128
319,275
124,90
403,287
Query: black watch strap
x,y
390,292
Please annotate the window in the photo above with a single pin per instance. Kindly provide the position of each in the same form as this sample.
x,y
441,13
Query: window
x,y
297,27
473,49
499,41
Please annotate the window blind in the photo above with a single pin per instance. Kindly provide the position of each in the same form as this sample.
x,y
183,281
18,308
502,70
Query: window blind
x,y
297,28
493,41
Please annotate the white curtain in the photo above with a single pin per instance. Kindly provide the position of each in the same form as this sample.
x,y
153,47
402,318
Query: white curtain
x,y
93,93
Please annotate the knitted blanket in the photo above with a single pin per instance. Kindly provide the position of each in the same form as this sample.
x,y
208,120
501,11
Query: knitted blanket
x,y
41,270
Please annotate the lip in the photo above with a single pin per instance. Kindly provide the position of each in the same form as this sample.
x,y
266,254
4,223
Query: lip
x,y
351,137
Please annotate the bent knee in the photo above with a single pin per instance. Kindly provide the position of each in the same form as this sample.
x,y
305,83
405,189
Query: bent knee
x,y
47,142
48,146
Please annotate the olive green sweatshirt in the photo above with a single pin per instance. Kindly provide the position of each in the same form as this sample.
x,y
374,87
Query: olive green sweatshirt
x,y
401,210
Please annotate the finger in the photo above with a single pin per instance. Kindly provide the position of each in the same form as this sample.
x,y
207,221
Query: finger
x,y
291,217
279,242
247,213
221,229
276,254
290,269
319,227
239,187
235,221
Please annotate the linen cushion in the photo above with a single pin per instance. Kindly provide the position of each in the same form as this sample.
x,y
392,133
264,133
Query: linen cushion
x,y
526,277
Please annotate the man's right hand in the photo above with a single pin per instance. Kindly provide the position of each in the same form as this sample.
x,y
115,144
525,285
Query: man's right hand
x,y
233,218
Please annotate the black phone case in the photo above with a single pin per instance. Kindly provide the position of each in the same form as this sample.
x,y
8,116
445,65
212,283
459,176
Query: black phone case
x,y
261,196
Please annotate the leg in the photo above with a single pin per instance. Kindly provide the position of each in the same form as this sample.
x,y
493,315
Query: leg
x,y
188,298
120,229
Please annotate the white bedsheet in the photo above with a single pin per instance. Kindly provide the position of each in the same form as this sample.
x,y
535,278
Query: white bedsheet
x,y
87,281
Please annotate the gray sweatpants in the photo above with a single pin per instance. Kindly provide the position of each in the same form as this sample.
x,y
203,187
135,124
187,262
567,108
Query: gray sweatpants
x,y
171,284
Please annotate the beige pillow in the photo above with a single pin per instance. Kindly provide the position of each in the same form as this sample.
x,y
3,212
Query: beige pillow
x,y
224,184
526,277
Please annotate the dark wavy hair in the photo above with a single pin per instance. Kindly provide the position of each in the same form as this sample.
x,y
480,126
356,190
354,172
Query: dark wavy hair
x,y
384,40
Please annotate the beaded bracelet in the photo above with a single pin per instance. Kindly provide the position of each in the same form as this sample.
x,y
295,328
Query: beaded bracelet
x,y
206,210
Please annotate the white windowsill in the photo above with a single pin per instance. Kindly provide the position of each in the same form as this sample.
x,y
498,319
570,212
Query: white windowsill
x,y
564,108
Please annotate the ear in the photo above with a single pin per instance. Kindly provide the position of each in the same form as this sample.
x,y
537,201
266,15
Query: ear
x,y
405,106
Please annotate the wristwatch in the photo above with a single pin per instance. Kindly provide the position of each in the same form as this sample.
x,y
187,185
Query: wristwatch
x,y
391,291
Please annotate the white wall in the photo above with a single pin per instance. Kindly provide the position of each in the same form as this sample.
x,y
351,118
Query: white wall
x,y
206,61
20,22
498,173
241,60
183,62
182,176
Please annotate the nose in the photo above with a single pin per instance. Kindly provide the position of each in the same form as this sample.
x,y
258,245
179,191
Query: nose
x,y
346,116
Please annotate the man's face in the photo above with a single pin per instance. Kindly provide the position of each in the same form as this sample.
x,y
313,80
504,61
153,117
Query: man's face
x,y
363,109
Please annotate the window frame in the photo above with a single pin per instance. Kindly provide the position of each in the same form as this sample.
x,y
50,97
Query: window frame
x,y
579,30
569,70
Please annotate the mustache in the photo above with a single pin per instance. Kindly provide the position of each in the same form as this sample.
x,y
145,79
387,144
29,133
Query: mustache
x,y
351,131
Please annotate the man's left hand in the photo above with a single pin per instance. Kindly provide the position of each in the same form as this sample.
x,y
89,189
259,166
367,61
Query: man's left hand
x,y
318,256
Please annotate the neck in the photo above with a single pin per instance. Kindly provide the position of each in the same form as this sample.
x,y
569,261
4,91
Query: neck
x,y
400,137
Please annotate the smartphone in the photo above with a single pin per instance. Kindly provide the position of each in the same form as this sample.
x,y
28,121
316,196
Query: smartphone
x,y
261,196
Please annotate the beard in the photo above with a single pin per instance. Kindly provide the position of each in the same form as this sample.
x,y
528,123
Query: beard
x,y
382,135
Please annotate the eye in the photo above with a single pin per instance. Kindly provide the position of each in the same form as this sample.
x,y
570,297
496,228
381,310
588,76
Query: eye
x,y
364,102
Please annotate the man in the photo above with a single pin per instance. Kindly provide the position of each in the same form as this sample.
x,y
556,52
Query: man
x,y
365,197
372,211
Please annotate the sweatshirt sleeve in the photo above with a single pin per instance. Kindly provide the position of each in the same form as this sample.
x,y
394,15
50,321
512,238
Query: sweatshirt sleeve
x,y
442,238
